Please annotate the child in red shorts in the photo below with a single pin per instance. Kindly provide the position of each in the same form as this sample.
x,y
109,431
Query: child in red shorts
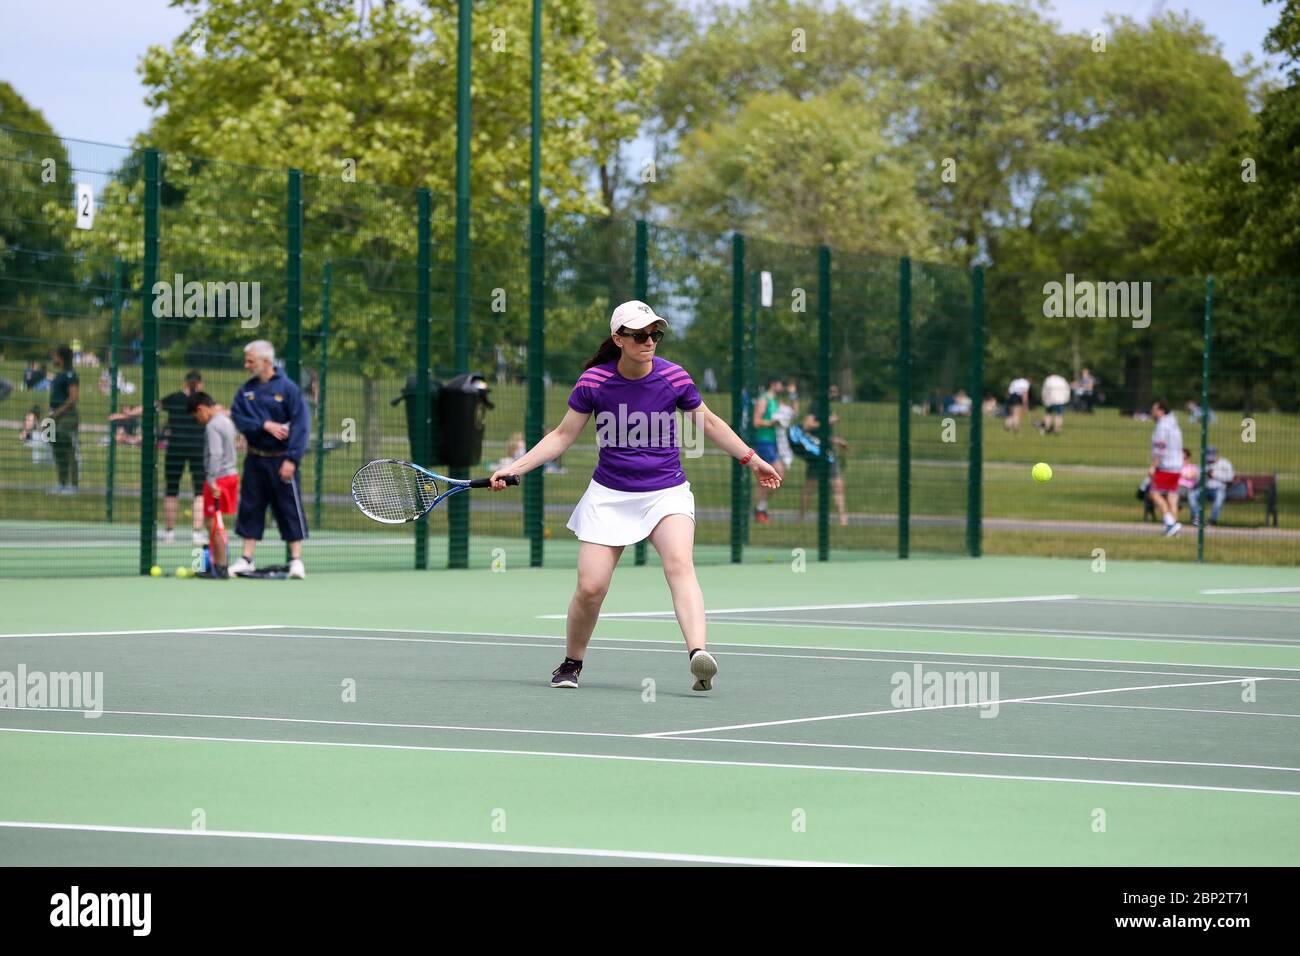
x,y
221,489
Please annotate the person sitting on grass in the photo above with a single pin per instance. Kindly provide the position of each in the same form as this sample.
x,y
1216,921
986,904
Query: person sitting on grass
x,y
34,437
125,425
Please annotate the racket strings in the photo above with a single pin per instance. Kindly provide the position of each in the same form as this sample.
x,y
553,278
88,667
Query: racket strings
x,y
393,491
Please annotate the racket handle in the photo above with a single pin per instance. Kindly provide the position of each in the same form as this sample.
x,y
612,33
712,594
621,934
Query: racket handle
x,y
487,482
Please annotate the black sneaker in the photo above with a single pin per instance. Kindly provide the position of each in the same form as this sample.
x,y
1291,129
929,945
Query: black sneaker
x,y
566,675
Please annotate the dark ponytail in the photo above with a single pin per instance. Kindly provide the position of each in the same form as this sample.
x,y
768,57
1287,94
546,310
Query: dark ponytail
x,y
607,352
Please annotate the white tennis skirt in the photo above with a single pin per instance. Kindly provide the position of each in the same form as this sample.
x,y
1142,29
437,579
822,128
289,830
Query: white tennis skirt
x,y
606,516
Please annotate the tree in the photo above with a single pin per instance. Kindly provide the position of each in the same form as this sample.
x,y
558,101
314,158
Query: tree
x,y
639,37
813,172
34,262
1242,223
343,91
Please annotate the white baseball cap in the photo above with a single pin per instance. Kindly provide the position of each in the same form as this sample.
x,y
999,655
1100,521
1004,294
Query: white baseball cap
x,y
633,314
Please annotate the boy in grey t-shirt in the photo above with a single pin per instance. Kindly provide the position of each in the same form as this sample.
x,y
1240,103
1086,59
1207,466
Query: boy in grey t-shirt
x,y
221,486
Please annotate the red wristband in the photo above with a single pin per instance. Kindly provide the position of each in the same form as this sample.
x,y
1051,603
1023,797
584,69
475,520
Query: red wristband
x,y
745,460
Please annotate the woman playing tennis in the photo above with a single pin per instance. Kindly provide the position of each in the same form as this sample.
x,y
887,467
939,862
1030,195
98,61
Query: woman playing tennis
x,y
638,490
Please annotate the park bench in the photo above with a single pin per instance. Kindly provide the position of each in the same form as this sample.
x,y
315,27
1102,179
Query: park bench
x,y
1244,490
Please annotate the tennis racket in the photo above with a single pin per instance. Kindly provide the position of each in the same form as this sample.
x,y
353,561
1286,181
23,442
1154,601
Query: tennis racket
x,y
395,491
218,546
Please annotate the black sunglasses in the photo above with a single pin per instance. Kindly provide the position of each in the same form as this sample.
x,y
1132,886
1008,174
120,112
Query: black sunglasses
x,y
641,337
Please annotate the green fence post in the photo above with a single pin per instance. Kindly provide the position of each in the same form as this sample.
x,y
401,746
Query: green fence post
x,y
975,464
326,281
751,390
904,404
423,437
824,402
1205,410
114,340
458,505
534,419
737,377
149,356
293,278
642,284
293,287
535,416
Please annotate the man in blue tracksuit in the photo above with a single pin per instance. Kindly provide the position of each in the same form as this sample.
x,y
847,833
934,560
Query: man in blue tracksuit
x,y
270,412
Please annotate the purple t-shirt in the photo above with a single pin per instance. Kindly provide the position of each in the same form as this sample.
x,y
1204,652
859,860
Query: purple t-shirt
x,y
636,429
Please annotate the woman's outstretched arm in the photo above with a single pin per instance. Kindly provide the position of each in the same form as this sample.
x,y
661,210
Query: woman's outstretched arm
x,y
721,434
553,444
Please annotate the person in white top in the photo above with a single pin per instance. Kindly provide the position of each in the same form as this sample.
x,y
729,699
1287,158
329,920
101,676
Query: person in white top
x,y
1017,402
784,416
1218,476
1166,465
1056,395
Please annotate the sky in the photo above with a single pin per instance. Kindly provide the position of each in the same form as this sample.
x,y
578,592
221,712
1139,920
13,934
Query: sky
x,y
77,64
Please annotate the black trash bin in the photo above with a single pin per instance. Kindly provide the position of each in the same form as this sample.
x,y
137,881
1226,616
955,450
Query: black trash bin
x,y
462,415
408,397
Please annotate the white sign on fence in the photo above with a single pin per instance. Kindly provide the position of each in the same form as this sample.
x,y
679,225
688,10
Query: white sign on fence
x,y
85,206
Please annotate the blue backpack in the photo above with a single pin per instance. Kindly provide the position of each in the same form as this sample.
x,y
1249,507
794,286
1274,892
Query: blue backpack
x,y
805,446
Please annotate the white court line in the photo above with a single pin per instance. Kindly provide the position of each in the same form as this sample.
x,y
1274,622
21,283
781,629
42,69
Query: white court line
x,y
1179,710
836,607
677,650
1249,591
1190,605
989,753
249,630
671,760
161,630
422,844
1158,637
812,647
914,710
679,740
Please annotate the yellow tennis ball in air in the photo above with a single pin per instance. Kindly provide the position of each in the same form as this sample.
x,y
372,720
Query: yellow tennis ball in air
x,y
1042,472
156,571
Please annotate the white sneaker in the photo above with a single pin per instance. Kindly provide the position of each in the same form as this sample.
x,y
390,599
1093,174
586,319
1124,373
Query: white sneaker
x,y
296,570
200,538
167,535
1172,529
242,566
703,668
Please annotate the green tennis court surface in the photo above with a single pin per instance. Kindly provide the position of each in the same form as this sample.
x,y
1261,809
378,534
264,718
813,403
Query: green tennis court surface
x,y
1145,715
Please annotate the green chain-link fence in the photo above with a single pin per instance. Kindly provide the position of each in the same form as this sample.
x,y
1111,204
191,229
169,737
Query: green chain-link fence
x,y
901,368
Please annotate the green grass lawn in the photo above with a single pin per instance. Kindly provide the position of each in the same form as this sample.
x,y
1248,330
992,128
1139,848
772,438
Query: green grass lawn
x,y
1098,463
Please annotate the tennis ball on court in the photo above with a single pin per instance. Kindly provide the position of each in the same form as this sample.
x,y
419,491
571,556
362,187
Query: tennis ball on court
x,y
156,571
1042,472
182,571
